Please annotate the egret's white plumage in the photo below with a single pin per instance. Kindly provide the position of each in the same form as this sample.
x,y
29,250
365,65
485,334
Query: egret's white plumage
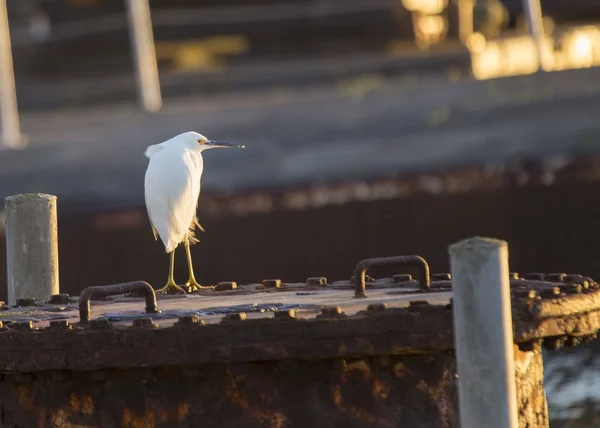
x,y
172,188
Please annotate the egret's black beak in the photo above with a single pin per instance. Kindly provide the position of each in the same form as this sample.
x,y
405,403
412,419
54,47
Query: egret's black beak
x,y
224,145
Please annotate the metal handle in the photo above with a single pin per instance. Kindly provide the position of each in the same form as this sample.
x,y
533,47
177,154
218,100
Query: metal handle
x,y
363,266
111,290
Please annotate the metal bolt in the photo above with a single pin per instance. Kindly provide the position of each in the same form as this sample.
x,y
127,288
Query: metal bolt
x,y
571,288
529,294
441,277
550,292
288,314
589,338
403,277
376,307
60,325
190,320
316,280
534,276
556,277
100,324
235,317
226,285
554,343
2,305
572,341
271,283
30,301
332,310
144,322
573,277
513,276
59,299
23,325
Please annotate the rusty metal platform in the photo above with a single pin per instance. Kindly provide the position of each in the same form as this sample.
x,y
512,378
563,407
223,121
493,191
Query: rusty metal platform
x,y
270,354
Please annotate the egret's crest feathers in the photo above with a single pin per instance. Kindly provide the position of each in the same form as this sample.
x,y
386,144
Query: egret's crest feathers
x,y
152,150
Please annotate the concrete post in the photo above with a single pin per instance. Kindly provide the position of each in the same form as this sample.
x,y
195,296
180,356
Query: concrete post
x,y
144,55
31,246
9,113
483,334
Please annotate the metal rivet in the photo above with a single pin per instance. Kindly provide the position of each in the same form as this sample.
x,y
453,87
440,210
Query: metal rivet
x,y
536,276
226,285
556,277
316,280
573,277
513,276
60,325
30,301
100,324
377,307
332,310
550,292
441,277
528,294
571,288
22,325
59,299
144,322
288,314
589,338
271,283
572,341
190,320
2,305
235,317
403,277
554,343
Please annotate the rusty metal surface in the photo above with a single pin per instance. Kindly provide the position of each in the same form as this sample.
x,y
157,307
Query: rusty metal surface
x,y
275,320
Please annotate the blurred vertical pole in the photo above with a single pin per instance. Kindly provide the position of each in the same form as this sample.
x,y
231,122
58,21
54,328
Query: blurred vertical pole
x,y
533,11
144,55
9,113
465,20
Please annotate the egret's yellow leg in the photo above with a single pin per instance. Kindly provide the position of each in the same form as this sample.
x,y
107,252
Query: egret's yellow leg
x,y
192,284
171,287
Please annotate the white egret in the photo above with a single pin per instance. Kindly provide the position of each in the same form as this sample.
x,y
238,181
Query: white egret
x,y
172,188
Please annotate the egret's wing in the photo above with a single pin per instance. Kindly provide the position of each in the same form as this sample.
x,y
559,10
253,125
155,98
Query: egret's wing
x,y
152,150
172,186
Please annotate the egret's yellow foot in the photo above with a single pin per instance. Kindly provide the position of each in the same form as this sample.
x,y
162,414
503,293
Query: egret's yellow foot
x,y
171,288
192,285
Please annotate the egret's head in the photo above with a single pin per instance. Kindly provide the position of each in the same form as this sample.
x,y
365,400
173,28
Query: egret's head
x,y
195,141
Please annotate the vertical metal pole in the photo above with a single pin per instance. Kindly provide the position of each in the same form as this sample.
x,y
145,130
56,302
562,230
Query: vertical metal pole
x,y
144,55
533,12
31,246
9,113
483,334
465,20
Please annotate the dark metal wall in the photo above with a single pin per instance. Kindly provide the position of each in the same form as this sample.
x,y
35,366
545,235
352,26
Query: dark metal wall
x,y
548,229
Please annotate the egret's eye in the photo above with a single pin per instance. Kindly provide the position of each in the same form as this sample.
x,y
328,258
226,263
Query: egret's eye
x,y
201,141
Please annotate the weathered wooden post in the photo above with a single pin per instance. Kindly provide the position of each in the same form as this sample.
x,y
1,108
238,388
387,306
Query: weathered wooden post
x,y
483,334
31,247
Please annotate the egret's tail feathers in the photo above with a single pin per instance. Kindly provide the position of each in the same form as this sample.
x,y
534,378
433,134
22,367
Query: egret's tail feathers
x,y
152,150
191,234
171,245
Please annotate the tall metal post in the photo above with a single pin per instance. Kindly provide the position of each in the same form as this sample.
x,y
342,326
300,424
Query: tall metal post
x,y
533,12
483,334
9,113
144,55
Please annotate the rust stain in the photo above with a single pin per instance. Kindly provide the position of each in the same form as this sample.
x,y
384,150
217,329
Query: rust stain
x,y
357,413
400,370
267,418
361,366
25,397
380,389
182,412
336,395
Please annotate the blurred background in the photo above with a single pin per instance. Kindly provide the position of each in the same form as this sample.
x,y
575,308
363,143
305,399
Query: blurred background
x,y
373,128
